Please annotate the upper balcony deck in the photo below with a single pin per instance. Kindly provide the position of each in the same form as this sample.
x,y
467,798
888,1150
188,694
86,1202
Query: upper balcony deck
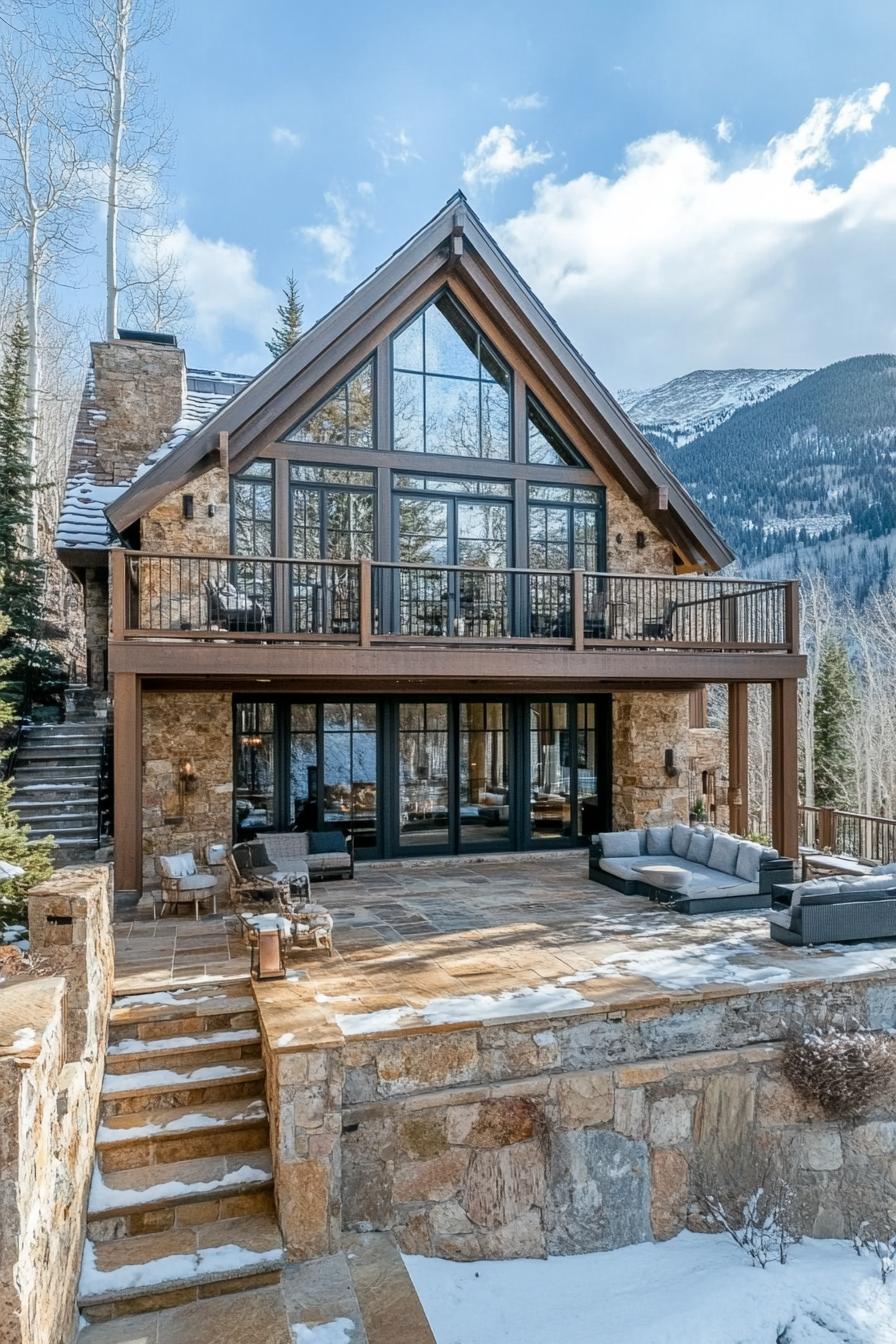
x,y
398,619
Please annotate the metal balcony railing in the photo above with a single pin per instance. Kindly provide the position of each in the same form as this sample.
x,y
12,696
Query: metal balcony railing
x,y
262,600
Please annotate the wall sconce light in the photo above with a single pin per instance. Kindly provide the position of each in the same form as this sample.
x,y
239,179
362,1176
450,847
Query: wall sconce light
x,y
187,505
188,776
253,740
618,538
640,540
669,765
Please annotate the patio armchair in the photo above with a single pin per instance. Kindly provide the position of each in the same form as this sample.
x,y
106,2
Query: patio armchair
x,y
183,883
245,883
232,609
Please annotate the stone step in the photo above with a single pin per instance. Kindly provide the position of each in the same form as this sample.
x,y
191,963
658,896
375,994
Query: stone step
x,y
158,1269
64,830
181,1012
179,1133
74,727
133,1055
63,753
42,737
63,773
117,1196
173,1088
29,806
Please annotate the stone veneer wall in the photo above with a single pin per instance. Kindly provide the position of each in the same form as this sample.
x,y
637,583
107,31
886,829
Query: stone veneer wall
x,y
559,1136
625,520
178,726
645,724
52,1054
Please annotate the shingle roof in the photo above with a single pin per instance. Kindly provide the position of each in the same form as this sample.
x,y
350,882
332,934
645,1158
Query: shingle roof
x,y
82,524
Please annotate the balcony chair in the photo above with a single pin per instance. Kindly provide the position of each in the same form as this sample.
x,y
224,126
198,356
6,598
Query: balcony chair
x,y
233,610
183,883
661,626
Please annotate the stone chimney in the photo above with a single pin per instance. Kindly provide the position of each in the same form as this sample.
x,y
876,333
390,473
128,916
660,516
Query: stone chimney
x,y
140,391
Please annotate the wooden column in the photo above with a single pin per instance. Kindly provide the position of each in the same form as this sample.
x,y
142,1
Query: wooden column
x,y
785,791
738,773
127,764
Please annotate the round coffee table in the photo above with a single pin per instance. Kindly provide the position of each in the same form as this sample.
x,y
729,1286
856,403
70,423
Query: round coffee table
x,y
666,875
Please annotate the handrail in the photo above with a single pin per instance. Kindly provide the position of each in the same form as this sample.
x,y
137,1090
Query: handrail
x,y
865,836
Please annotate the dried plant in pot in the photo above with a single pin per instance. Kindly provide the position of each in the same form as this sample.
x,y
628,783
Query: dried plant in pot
x,y
846,1072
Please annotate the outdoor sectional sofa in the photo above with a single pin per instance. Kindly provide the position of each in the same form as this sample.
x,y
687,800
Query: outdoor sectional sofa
x,y
693,869
325,853
839,910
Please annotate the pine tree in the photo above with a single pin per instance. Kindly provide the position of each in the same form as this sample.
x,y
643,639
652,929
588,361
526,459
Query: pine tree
x,y
835,703
35,670
37,858
289,328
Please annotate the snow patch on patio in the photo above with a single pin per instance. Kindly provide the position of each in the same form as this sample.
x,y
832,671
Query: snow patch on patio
x,y
698,1288
465,1008
339,1331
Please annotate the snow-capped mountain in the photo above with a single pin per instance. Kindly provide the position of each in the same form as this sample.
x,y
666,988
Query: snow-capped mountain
x,y
683,409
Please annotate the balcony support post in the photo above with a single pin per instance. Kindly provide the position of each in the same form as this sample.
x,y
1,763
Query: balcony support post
x,y
127,763
785,791
365,602
578,609
118,581
738,756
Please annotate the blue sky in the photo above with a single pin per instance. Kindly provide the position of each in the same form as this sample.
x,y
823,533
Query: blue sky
x,y
655,169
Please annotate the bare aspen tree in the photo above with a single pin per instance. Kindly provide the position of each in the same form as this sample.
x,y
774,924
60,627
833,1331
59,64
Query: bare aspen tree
x,y
153,296
106,37
42,186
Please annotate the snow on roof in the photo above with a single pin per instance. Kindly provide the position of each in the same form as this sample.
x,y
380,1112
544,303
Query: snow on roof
x,y
82,520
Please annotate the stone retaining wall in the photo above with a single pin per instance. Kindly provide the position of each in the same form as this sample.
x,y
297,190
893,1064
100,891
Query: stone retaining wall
x,y
52,1052
563,1135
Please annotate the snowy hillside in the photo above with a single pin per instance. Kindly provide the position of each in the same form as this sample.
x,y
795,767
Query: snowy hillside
x,y
699,402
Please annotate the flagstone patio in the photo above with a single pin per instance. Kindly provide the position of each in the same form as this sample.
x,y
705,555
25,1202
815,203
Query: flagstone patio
x,y
449,941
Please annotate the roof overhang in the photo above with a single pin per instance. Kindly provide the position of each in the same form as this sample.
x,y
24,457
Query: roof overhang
x,y
454,241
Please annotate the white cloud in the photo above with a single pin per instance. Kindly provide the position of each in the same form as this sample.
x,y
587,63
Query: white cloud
x,y
499,154
286,138
724,130
526,102
336,236
679,261
394,148
229,303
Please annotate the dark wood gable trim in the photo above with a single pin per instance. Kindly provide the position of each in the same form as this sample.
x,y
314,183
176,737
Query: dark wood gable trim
x,y
453,247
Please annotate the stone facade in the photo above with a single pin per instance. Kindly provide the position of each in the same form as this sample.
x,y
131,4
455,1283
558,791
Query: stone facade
x,y
140,389
645,725
207,533
559,1136
52,1052
625,522
96,626
178,726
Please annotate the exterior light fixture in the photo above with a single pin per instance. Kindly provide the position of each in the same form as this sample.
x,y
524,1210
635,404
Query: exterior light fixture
x,y
669,765
188,777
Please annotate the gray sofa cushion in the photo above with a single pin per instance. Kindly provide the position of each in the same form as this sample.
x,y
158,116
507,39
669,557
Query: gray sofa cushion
x,y
621,868
320,862
681,839
659,839
620,844
700,847
749,857
857,886
781,918
818,886
723,857
883,868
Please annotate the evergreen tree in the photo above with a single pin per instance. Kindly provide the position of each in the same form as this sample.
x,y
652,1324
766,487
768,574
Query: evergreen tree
x,y
289,328
36,858
34,670
835,704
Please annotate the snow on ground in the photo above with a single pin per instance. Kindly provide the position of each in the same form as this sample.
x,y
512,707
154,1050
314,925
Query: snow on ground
x,y
697,1288
339,1331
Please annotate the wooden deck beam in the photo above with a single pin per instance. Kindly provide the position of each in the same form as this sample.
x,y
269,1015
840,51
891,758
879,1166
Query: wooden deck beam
x,y
785,781
738,758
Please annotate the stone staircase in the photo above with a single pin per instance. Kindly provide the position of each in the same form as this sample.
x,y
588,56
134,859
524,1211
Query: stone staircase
x,y
56,779
181,1205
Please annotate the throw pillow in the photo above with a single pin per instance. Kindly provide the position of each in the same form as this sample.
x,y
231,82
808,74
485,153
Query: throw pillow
x,y
749,857
681,839
620,844
659,839
326,842
723,855
700,848
259,855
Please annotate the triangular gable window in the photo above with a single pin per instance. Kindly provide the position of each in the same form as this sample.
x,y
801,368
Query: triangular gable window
x,y
545,444
345,417
450,390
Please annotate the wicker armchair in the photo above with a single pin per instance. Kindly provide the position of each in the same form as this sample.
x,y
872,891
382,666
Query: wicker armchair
x,y
183,884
